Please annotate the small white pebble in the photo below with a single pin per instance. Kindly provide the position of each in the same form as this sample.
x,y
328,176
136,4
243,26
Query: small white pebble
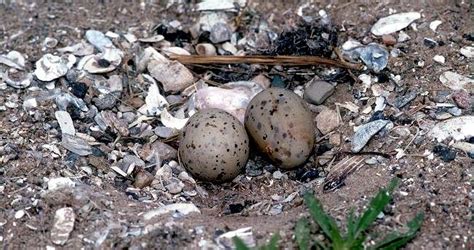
x,y
19,214
403,193
439,59
434,25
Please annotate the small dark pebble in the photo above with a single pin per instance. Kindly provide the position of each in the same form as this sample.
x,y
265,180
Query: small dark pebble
x,y
430,43
71,159
402,101
383,77
133,195
103,63
236,208
97,152
278,82
79,89
322,148
469,37
253,170
444,152
378,115
306,175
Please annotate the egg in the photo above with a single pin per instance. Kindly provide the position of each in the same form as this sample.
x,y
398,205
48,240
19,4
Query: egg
x,y
214,146
281,125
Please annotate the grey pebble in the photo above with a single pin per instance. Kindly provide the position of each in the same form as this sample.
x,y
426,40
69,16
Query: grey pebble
x,y
365,132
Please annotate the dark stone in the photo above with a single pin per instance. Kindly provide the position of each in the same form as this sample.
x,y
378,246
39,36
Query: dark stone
x,y
236,208
378,115
278,82
79,89
402,101
103,63
469,37
430,43
444,152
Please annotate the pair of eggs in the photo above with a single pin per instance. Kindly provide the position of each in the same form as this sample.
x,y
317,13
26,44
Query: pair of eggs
x,y
214,145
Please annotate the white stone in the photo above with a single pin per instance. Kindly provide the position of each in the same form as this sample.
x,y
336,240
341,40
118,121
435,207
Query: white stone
x,y
467,51
439,59
65,122
394,23
456,81
434,25
63,225
457,128
182,208
59,183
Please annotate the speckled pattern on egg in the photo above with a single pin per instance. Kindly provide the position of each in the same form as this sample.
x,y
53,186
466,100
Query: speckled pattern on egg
x,y
214,146
281,125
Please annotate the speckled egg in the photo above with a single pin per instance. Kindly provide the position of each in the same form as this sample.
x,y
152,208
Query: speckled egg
x,y
214,146
281,125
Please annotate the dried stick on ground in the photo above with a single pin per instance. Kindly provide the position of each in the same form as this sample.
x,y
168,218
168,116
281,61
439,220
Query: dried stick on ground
x,y
271,60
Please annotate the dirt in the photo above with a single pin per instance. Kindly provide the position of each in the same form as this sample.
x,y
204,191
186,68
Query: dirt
x,y
106,212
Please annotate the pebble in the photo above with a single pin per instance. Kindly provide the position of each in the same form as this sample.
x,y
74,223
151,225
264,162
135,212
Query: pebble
x,y
104,102
403,37
444,152
173,75
327,120
50,67
76,145
19,214
143,179
317,91
455,111
181,208
389,40
402,101
335,139
430,43
158,151
439,59
65,122
394,23
98,39
79,89
63,225
60,183
277,175
458,128
175,186
365,132
220,32
467,51
462,99
456,81
434,25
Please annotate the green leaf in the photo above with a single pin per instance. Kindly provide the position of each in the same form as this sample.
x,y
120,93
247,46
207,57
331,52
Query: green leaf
x,y
302,234
396,240
240,244
326,222
375,207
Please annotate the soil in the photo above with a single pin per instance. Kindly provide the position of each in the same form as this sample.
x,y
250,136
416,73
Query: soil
x,y
108,214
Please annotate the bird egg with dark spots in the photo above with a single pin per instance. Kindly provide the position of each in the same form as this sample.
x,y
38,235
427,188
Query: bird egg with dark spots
x,y
281,124
214,146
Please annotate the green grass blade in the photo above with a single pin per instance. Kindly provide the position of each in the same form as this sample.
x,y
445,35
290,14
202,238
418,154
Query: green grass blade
x,y
273,244
240,244
302,234
396,240
375,207
351,229
326,222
